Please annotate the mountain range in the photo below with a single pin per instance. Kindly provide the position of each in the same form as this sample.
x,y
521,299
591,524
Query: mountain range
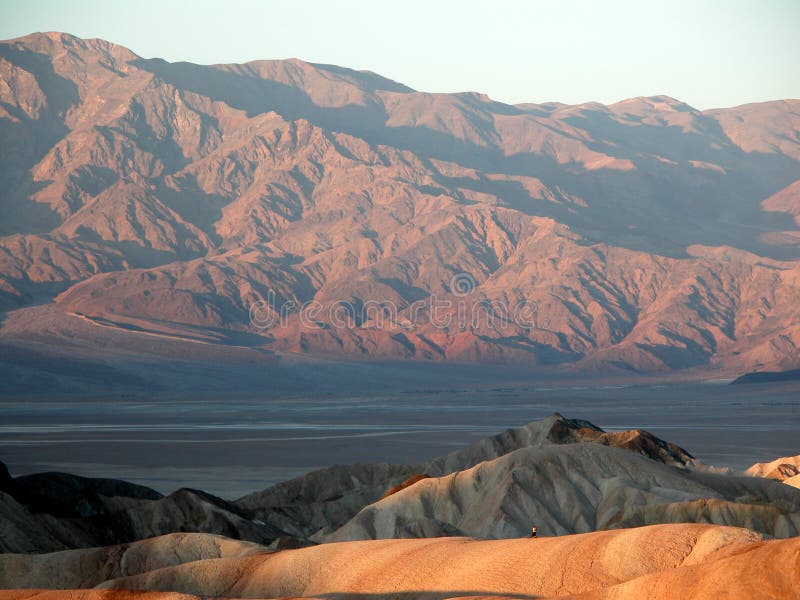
x,y
297,208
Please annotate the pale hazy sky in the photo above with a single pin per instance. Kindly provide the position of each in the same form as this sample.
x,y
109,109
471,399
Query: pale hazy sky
x,y
711,53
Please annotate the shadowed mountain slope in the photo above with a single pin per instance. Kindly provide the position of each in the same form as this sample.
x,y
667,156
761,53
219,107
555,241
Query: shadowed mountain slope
x,y
87,568
55,511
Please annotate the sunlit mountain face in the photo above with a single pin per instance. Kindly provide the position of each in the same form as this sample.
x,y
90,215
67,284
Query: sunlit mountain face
x,y
306,208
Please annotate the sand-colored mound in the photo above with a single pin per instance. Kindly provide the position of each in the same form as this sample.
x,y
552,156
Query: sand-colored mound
x,y
783,472
740,571
786,470
780,468
456,567
793,481
89,567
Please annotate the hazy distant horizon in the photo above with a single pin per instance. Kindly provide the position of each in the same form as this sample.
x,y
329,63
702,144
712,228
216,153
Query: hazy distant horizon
x,y
715,55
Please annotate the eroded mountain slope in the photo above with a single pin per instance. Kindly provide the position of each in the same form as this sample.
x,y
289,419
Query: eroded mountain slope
x,y
643,235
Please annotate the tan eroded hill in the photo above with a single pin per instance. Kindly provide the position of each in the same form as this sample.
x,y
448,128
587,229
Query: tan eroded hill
x,y
678,555
569,489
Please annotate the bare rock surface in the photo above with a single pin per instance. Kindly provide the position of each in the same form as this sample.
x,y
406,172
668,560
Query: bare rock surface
x,y
148,198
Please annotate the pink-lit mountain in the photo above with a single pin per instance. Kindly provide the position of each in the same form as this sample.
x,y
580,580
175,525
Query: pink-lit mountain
x,y
170,199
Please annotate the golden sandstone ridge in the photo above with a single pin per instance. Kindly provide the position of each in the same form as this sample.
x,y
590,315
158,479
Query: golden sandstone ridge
x,y
662,561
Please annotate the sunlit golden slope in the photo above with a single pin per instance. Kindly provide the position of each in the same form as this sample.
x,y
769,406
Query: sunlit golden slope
x,y
665,561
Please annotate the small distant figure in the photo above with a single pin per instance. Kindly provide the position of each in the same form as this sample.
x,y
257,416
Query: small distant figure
x,y
533,531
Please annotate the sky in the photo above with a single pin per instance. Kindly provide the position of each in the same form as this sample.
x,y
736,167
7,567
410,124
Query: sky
x,y
709,53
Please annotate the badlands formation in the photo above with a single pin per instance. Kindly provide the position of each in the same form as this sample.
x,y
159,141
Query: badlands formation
x,y
660,562
620,515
